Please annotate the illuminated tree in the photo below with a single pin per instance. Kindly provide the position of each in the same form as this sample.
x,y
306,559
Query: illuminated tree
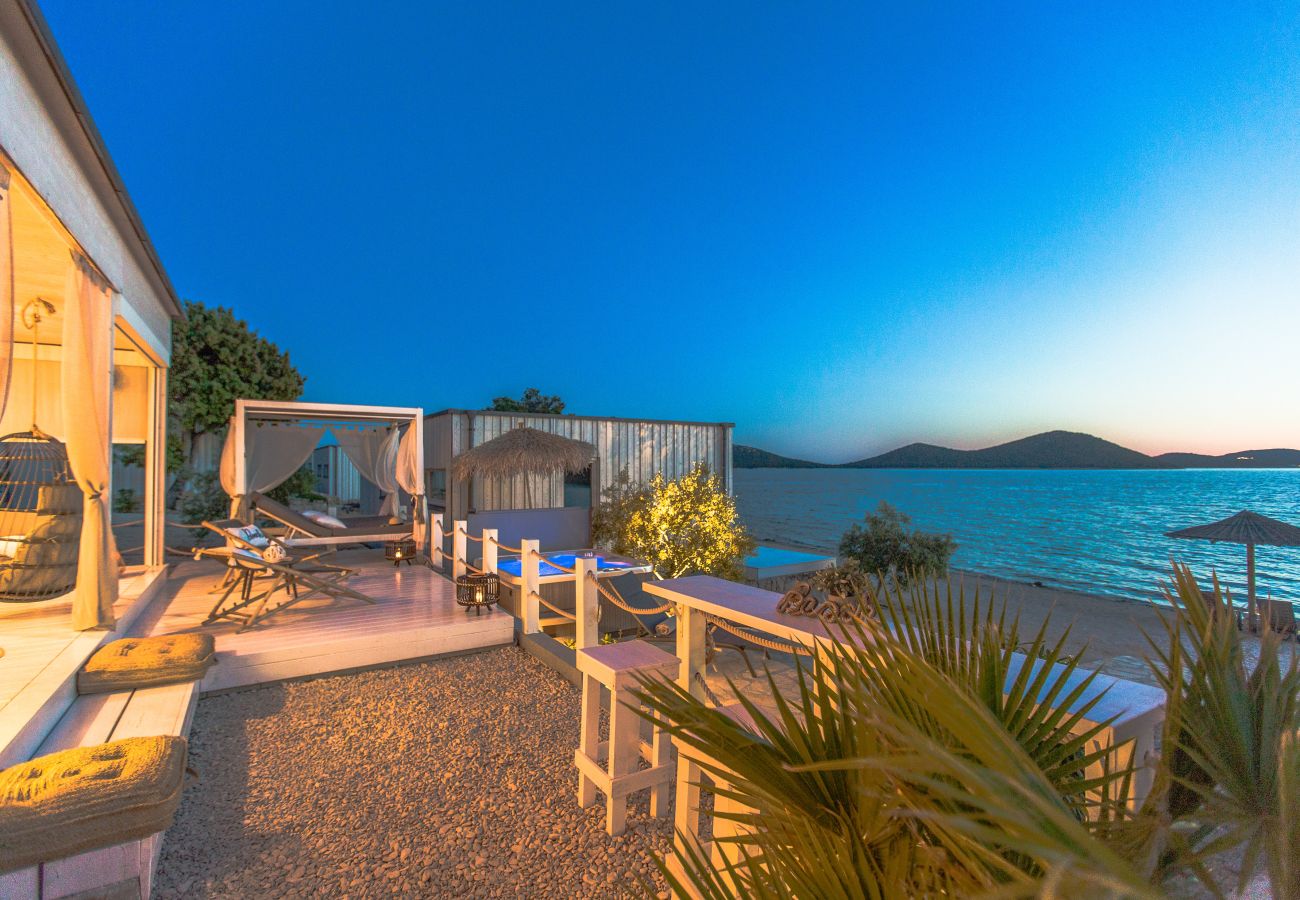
x,y
686,526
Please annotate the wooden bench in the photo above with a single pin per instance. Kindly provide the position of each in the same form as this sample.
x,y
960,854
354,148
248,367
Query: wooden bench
x,y
125,870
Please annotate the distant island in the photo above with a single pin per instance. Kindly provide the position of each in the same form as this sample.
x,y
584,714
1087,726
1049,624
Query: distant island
x,y
1049,450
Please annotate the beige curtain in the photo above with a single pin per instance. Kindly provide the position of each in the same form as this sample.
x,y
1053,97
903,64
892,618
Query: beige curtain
x,y
271,454
6,292
411,478
87,393
374,452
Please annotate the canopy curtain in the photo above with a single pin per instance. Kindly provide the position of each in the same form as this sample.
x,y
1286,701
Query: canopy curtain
x,y
271,454
411,478
374,452
6,292
87,371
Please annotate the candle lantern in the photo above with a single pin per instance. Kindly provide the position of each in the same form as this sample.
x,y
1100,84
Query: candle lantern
x,y
400,551
478,592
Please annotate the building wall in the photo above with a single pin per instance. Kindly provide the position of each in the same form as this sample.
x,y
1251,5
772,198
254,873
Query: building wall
x,y
642,448
336,476
40,132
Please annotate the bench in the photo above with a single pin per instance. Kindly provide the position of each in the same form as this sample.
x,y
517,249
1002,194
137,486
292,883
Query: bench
x,y
125,870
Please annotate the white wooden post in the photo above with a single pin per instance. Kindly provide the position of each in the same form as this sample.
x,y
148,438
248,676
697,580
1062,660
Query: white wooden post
x,y
690,653
458,538
530,572
586,603
436,545
489,549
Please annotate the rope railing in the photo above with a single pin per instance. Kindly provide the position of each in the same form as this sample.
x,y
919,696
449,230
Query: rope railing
x,y
470,537
127,524
506,547
572,617
472,569
551,562
612,594
746,635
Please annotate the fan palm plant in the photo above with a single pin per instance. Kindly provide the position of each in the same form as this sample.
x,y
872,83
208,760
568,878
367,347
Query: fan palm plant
x,y
926,758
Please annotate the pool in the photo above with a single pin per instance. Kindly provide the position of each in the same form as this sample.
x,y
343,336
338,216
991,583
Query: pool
x,y
514,567
773,562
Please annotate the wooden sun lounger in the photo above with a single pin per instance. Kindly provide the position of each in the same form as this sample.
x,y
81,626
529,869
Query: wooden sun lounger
x,y
305,532
296,579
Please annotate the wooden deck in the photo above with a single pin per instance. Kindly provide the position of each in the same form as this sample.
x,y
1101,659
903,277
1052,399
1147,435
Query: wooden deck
x,y
42,655
415,617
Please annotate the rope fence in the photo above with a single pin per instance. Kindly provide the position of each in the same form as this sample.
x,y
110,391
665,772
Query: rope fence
x,y
472,569
507,547
470,537
572,617
745,634
612,594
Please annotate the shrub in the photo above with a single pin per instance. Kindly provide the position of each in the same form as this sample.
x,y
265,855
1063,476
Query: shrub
x,y
681,527
202,498
125,501
885,545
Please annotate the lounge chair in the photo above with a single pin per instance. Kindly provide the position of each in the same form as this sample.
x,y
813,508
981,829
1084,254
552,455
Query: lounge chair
x,y
248,553
1280,615
305,532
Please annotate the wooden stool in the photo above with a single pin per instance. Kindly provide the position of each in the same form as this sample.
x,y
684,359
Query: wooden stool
x,y
688,811
619,667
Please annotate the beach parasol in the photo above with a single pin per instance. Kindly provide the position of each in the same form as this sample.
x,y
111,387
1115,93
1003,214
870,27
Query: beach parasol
x,y
1250,529
524,451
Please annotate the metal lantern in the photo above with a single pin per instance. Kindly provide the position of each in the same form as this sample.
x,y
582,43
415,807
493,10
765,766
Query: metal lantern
x,y
478,592
399,551
40,518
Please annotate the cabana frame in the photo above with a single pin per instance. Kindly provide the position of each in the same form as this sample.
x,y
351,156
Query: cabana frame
x,y
250,412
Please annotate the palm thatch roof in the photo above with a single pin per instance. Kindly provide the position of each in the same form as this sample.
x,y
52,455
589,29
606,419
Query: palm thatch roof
x,y
1245,527
524,451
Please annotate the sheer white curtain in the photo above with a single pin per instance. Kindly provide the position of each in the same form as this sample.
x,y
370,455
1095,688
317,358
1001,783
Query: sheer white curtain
x,y
87,396
410,476
374,452
6,292
272,453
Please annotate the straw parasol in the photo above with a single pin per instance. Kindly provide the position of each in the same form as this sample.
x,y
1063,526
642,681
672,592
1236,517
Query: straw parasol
x,y
1250,529
524,451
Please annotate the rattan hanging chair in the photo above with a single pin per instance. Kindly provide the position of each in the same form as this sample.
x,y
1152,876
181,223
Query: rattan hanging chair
x,y
40,504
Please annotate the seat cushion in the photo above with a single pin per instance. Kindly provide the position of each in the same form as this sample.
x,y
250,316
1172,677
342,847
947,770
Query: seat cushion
x,y
147,662
72,801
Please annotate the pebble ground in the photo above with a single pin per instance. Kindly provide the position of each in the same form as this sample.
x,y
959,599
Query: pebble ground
x,y
452,778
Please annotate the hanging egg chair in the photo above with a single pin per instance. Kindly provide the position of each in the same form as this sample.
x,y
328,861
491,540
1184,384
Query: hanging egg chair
x,y
40,505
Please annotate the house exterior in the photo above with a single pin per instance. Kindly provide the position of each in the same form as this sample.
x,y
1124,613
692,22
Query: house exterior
x,y
82,260
642,448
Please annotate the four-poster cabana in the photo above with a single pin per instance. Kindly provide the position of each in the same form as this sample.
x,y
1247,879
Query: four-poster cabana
x,y
269,440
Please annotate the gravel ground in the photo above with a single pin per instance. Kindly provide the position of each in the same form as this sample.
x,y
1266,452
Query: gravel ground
x,y
450,778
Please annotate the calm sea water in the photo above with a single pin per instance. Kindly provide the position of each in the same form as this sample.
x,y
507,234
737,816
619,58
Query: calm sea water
x,y
1094,531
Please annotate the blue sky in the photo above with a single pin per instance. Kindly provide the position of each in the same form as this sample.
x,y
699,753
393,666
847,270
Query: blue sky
x,y
842,227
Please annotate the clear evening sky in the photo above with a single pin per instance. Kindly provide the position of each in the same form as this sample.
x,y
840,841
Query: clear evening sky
x,y
842,228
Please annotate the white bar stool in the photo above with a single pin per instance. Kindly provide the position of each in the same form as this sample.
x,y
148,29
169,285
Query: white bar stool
x,y
620,667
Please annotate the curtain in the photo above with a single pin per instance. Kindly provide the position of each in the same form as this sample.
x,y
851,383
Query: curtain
x,y
86,396
6,292
271,454
411,478
374,452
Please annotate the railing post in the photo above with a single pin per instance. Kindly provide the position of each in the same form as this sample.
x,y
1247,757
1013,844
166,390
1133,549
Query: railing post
x,y
586,603
489,549
436,545
690,653
459,529
530,572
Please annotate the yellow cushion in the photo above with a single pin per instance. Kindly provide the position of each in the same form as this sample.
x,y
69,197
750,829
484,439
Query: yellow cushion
x,y
77,800
147,662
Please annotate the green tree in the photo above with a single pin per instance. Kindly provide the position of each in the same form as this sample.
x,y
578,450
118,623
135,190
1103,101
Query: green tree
x,y
533,401
216,359
681,527
885,545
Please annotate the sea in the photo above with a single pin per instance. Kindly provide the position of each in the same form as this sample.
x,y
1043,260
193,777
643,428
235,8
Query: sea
x,y
1095,531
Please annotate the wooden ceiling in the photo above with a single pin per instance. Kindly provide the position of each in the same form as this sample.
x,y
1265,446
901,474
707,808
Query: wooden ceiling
x,y
42,256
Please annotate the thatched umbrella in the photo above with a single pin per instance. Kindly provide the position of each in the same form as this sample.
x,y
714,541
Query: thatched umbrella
x,y
1250,529
524,451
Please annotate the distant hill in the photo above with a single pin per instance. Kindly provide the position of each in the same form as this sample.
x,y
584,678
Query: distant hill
x,y
1243,459
743,457
1049,450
